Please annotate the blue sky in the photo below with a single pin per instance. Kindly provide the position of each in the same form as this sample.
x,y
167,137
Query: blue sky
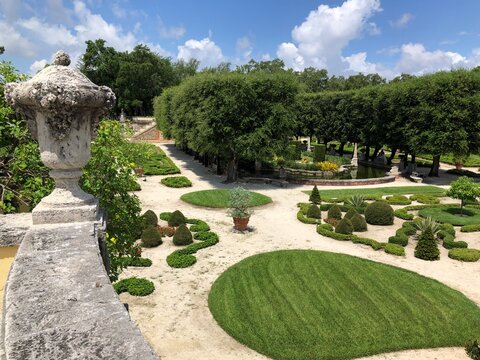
x,y
344,36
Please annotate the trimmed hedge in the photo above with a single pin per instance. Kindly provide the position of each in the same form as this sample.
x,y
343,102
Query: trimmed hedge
x,y
314,212
301,214
425,199
394,249
136,261
182,236
358,222
334,212
176,182
183,258
351,213
205,236
165,216
344,227
379,213
327,230
176,219
398,200
149,218
134,286
470,228
151,237
427,248
374,244
200,225
403,214
467,255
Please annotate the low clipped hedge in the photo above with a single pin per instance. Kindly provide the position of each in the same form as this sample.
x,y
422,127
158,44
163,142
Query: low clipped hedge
x,y
402,234
134,286
398,200
199,225
379,213
327,230
176,182
470,228
136,261
403,214
467,255
301,214
394,249
183,258
425,199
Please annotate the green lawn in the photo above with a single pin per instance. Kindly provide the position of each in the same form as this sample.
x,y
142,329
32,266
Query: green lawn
x,y
379,192
303,304
218,198
450,215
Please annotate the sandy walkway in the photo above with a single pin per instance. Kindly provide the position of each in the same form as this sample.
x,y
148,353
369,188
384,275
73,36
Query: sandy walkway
x,y
175,319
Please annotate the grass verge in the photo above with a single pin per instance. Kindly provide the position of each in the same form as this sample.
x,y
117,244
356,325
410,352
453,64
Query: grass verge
x,y
218,198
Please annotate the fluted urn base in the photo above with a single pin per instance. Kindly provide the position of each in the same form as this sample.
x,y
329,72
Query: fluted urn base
x,y
67,203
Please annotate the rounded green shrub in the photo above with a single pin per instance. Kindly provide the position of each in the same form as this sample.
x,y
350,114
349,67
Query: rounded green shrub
x,y
425,199
358,222
351,213
136,261
469,255
149,218
314,212
344,227
398,200
176,182
176,218
334,212
379,213
182,236
134,286
427,248
151,237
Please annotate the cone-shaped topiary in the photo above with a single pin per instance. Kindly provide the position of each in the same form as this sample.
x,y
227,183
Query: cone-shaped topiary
x,y
151,237
344,227
182,236
177,219
149,218
315,196
359,223
427,248
314,212
334,212
379,213
351,213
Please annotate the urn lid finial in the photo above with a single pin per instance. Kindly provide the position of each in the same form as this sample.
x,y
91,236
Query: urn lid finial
x,y
61,58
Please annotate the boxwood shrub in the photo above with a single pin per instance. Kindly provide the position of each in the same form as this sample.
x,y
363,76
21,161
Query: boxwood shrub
x,y
398,200
394,249
379,213
149,218
200,225
425,199
468,255
334,212
470,228
136,261
176,219
151,237
176,182
358,222
134,286
403,214
344,227
182,236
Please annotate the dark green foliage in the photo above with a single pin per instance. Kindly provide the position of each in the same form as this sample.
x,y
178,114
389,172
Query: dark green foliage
x,y
182,236
351,213
151,237
176,182
301,214
165,216
379,213
358,222
183,258
468,255
158,163
394,249
149,218
176,218
344,227
427,248
409,228
403,214
199,226
472,347
334,212
398,200
327,230
425,199
318,153
205,236
314,212
374,244
315,196
136,261
400,239
134,286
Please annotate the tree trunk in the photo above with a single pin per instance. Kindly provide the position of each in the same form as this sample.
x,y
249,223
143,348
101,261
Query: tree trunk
x,y
367,152
375,152
341,148
392,156
461,208
435,166
232,170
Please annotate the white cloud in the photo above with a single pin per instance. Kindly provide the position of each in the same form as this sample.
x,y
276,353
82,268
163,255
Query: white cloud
x,y
14,42
402,21
374,29
58,12
118,11
37,66
358,63
206,51
170,32
10,9
244,48
325,32
390,51
56,35
415,59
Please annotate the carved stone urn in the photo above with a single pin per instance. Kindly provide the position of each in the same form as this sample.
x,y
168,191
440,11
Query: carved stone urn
x,y
62,108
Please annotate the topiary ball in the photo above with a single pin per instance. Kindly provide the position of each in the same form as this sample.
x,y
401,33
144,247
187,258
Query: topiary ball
x,y
334,212
151,237
379,213
314,212
177,219
182,236
344,227
351,213
149,218
358,222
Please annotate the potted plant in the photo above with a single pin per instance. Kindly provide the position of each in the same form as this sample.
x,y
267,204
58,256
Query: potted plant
x,y
239,203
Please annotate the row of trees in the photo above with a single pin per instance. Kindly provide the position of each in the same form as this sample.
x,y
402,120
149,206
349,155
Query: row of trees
x,y
251,114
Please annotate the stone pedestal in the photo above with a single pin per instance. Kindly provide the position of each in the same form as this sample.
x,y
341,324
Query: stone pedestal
x,y
355,156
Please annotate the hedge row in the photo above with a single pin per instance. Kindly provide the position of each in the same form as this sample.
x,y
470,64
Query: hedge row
x,y
470,228
301,214
136,261
134,286
401,235
468,255
183,258
447,235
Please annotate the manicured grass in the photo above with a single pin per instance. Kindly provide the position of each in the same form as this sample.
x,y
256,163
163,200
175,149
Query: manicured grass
x,y
450,215
379,192
472,160
218,198
302,304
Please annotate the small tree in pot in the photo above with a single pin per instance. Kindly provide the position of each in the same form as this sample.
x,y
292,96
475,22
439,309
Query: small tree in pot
x,y
239,204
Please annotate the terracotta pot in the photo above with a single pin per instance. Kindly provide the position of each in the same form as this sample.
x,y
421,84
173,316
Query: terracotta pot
x,y
139,171
240,223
